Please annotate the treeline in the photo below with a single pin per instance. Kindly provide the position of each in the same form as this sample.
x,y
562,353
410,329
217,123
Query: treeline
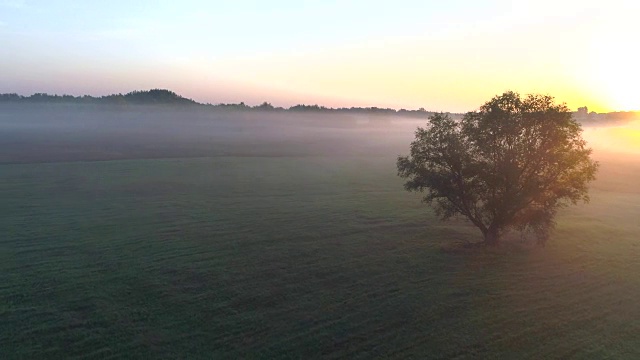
x,y
265,106
612,117
154,96
624,115
167,97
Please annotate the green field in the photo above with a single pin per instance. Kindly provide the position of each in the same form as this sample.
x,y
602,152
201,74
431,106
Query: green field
x,y
285,257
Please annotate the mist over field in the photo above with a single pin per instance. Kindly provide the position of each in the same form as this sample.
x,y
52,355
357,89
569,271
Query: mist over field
x,y
66,133
616,139
168,232
63,133
53,133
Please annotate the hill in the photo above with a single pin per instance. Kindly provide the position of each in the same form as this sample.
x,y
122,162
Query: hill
x,y
168,97
153,96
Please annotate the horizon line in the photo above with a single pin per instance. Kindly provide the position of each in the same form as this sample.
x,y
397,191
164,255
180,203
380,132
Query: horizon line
x,y
264,103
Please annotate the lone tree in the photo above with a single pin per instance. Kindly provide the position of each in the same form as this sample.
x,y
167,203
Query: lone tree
x,y
510,165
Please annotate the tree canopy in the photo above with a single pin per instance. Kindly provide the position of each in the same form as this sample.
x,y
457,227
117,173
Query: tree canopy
x,y
508,166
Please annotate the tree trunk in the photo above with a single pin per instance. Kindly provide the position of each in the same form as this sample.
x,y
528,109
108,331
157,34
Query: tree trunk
x,y
492,236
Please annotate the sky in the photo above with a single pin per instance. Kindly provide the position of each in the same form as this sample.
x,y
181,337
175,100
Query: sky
x,y
441,55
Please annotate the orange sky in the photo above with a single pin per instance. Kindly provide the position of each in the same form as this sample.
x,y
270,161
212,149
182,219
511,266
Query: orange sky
x,y
449,56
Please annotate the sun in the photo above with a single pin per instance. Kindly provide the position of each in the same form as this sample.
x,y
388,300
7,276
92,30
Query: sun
x,y
621,80
614,66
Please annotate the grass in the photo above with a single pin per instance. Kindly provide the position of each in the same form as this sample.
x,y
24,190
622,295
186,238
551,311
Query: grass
x,y
297,258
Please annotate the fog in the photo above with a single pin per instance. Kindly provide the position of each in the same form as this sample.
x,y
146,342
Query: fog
x,y
53,133
617,139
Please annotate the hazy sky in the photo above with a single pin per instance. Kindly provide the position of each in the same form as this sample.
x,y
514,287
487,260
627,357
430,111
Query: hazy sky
x,y
442,55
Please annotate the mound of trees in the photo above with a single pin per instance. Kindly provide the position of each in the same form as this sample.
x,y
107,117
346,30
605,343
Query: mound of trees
x,y
508,166
148,97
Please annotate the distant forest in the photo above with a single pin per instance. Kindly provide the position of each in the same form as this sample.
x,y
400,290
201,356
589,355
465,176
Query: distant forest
x,y
167,97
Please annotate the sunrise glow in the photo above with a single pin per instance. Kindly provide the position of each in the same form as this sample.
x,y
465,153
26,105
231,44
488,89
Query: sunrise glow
x,y
408,54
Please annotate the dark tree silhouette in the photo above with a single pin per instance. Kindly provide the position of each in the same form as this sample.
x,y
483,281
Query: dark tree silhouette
x,y
167,97
510,165
148,97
